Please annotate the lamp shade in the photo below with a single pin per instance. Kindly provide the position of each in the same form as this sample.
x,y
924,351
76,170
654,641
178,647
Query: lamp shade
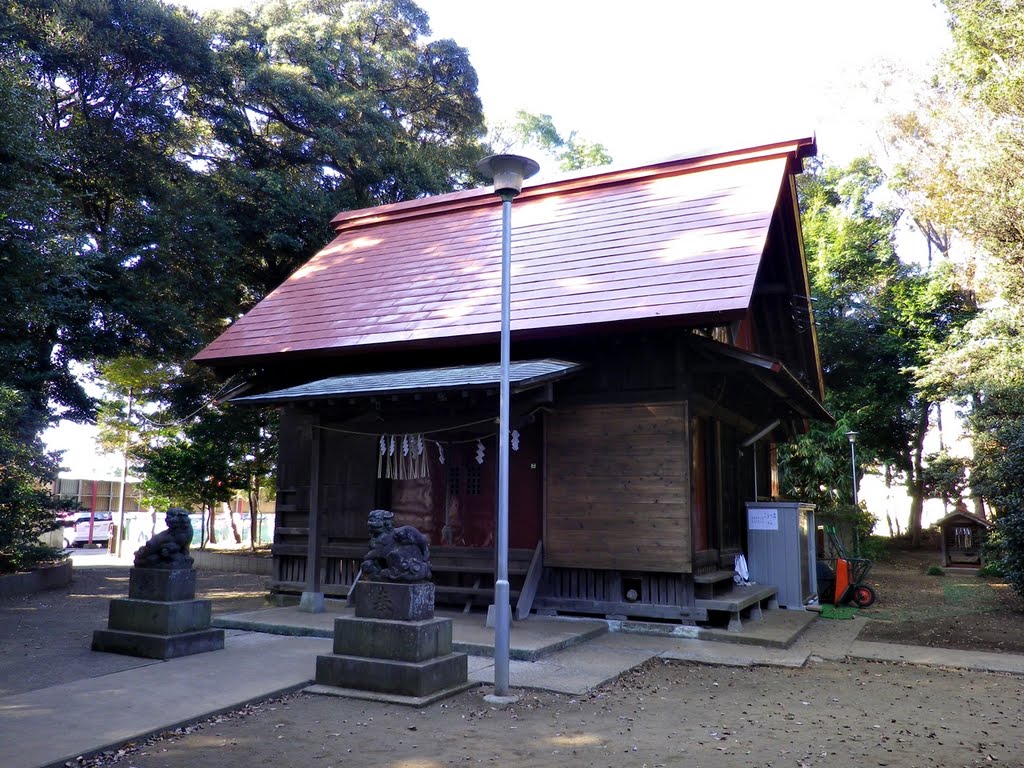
x,y
508,171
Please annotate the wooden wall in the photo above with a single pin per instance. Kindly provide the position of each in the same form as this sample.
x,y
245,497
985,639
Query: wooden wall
x,y
348,473
617,488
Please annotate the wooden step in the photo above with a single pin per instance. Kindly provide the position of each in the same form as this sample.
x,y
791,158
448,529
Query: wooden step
x,y
714,577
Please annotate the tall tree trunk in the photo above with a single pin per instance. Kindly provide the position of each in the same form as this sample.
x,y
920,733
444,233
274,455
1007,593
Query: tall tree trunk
x,y
234,525
915,478
211,529
254,513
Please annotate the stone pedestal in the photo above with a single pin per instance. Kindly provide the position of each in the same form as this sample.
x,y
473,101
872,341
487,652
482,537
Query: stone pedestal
x,y
393,649
160,619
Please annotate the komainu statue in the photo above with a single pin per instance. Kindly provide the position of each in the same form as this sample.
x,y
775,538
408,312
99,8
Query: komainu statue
x,y
396,554
168,549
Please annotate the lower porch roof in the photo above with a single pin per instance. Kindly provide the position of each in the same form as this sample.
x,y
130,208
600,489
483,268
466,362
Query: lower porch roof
x,y
523,375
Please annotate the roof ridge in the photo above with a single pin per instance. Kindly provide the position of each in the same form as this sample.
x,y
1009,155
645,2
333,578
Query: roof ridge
x,y
588,178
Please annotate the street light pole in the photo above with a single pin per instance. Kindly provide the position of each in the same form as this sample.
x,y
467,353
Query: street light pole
x,y
119,533
508,172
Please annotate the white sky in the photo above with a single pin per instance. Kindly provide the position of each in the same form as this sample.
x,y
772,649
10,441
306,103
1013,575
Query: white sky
x,y
655,78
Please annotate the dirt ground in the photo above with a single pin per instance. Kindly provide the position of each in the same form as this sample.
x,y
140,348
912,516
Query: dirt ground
x,y
957,610
659,714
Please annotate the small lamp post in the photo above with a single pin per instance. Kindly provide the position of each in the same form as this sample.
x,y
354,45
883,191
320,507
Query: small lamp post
x,y
852,437
508,172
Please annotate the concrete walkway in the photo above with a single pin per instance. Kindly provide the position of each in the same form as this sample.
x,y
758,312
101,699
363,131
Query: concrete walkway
x,y
47,727
50,726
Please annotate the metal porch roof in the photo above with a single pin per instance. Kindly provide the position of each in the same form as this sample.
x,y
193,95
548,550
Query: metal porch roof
x,y
673,240
523,375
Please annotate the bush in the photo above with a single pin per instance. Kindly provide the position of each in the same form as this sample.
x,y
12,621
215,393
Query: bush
x,y
990,569
874,548
1008,542
27,509
935,571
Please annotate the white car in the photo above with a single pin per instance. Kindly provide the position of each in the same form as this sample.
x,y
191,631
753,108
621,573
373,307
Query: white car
x,y
77,534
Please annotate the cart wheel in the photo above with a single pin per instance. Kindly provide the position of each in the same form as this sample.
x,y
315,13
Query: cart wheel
x,y
863,596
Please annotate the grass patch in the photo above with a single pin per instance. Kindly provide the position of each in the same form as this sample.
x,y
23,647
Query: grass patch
x,y
980,597
838,611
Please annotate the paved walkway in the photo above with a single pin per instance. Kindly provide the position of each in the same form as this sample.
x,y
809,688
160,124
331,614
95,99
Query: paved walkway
x,y
46,727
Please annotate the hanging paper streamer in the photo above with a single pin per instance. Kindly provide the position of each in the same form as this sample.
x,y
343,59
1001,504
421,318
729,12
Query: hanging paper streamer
x,y
479,452
440,454
402,457
515,439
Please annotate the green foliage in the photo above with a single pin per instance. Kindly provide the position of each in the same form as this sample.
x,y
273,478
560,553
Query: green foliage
x,y
944,477
1010,544
877,318
163,172
326,106
27,509
874,547
538,131
934,570
989,570
219,451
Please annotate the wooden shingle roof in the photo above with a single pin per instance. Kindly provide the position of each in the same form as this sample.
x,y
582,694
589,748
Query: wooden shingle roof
x,y
680,240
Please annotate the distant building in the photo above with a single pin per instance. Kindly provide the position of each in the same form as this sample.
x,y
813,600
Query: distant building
x,y
97,495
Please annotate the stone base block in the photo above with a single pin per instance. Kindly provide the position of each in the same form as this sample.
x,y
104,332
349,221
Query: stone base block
x,y
398,602
404,678
159,618
312,602
157,646
162,584
492,617
393,640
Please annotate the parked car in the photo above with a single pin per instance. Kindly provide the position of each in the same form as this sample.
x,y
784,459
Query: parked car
x,y
77,535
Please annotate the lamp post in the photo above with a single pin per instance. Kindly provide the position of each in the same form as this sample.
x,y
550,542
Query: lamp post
x,y
852,437
508,172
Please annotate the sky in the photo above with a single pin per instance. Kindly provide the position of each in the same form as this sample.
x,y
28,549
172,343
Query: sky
x,y
656,78
651,79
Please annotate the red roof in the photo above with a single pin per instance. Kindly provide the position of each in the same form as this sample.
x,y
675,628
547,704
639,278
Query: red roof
x,y
678,239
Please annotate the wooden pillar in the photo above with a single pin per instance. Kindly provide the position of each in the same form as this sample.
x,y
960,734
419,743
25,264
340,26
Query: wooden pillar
x,y
312,600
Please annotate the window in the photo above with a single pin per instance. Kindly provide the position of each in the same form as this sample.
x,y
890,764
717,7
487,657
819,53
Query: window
x,y
473,479
454,480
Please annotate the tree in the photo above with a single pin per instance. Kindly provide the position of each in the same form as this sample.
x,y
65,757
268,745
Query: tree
x,y
44,315
533,130
944,477
119,78
877,318
219,450
330,105
980,194
163,172
39,296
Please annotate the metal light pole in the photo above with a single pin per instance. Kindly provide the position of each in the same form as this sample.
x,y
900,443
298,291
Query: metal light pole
x,y
119,542
508,172
852,437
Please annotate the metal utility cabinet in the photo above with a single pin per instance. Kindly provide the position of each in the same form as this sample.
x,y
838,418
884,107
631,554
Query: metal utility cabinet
x,y
781,550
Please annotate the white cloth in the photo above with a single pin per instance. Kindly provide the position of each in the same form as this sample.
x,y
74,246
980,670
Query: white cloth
x,y
740,566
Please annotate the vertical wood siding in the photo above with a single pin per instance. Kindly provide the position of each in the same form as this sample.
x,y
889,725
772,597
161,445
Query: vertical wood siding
x,y
617,488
